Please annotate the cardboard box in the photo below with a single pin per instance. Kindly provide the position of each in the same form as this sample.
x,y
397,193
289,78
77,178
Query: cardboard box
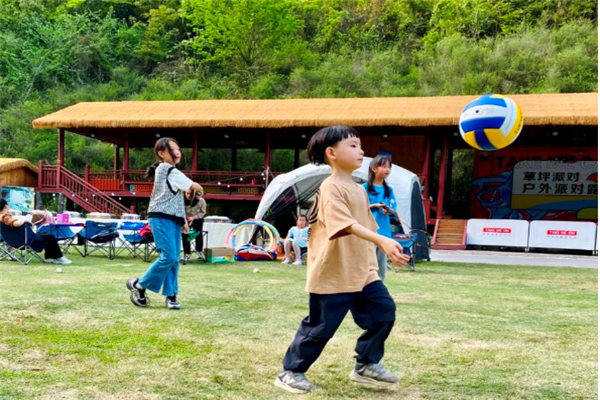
x,y
220,255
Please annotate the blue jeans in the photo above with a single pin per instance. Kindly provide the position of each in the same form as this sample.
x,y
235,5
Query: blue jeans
x,y
164,271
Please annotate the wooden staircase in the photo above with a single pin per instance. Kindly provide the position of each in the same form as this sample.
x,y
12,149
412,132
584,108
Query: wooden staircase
x,y
58,179
450,234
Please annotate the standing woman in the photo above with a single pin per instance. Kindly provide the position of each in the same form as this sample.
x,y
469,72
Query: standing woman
x,y
166,216
380,197
195,210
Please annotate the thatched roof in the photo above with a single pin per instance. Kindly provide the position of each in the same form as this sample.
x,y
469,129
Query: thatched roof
x,y
538,109
9,164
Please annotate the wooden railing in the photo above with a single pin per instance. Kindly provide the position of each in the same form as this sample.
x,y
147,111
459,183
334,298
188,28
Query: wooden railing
x,y
135,181
77,189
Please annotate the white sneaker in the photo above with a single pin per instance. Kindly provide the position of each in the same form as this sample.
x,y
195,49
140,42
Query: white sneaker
x,y
297,263
49,260
286,261
63,260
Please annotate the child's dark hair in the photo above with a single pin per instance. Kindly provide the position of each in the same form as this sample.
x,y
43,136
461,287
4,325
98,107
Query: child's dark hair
x,y
378,161
325,138
162,144
192,201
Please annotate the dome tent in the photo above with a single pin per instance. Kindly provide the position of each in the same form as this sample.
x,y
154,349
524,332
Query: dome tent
x,y
298,187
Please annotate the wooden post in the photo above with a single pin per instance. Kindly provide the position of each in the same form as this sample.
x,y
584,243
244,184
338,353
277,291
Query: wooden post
x,y
126,153
442,178
425,170
195,153
40,183
125,162
61,146
267,157
117,161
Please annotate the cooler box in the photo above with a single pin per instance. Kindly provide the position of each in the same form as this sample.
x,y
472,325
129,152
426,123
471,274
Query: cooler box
x,y
216,255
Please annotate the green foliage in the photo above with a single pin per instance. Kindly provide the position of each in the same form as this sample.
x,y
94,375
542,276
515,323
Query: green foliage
x,y
59,52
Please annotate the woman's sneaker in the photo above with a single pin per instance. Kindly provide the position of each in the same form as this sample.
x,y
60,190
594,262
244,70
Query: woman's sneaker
x,y
171,303
373,375
138,296
293,382
63,260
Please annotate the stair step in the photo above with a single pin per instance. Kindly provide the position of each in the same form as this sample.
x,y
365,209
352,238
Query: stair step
x,y
450,234
450,230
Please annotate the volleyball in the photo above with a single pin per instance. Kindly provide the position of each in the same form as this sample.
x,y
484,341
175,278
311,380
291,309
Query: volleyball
x,y
491,122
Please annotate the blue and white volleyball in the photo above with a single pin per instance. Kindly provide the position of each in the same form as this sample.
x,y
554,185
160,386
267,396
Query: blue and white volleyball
x,y
491,122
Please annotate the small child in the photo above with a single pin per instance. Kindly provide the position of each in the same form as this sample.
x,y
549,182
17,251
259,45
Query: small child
x,y
296,238
342,269
381,199
166,216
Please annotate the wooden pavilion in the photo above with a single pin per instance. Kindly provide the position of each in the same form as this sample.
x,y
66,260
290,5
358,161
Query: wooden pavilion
x,y
417,131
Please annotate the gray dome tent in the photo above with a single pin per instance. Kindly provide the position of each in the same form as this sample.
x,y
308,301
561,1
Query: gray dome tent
x,y
296,188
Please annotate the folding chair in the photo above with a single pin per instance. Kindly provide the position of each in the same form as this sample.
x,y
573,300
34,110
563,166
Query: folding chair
x,y
62,233
25,246
4,249
99,237
135,242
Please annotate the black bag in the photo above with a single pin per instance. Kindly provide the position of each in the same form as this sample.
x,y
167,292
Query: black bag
x,y
394,219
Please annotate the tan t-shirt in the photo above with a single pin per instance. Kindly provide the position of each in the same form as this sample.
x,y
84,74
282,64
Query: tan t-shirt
x,y
339,262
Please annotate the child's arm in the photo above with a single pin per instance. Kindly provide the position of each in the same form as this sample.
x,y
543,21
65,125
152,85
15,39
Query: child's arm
x,y
389,246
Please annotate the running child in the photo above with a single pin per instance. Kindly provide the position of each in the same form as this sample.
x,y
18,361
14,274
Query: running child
x,y
342,269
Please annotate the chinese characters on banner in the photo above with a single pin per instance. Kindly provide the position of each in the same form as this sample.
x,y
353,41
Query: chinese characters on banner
x,y
552,185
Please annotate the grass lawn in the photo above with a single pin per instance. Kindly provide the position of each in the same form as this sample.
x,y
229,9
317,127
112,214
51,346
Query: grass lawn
x,y
463,332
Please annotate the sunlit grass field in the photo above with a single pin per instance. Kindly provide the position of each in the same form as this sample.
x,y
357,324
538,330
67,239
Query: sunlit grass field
x,y
462,332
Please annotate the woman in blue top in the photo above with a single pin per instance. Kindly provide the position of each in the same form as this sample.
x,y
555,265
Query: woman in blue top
x,y
380,197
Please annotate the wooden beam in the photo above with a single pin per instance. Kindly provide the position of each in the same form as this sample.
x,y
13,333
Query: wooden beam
x,y
267,150
126,153
195,152
425,170
117,161
442,178
61,146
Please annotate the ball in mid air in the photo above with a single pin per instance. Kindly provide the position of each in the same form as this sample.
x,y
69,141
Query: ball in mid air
x,y
491,122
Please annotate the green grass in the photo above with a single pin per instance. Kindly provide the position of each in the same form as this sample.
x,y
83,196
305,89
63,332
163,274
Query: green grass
x,y
463,332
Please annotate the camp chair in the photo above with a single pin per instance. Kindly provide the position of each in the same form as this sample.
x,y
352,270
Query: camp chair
x,y
136,241
409,242
4,249
64,234
99,237
23,243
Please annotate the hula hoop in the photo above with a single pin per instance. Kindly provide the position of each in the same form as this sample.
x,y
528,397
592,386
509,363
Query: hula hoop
x,y
274,237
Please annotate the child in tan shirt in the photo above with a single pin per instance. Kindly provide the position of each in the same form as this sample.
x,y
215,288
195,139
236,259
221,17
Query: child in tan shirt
x,y
342,269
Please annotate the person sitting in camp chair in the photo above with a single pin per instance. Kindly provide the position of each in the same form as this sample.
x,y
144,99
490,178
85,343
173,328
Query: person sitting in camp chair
x,y
296,240
52,251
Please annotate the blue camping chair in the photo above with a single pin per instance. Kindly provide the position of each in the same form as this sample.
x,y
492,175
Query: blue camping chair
x,y
99,237
21,244
135,243
409,242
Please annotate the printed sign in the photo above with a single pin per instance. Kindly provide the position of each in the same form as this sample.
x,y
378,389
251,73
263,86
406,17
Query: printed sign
x,y
492,232
562,235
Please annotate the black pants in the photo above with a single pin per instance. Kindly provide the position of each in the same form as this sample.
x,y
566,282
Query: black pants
x,y
51,247
373,310
197,225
